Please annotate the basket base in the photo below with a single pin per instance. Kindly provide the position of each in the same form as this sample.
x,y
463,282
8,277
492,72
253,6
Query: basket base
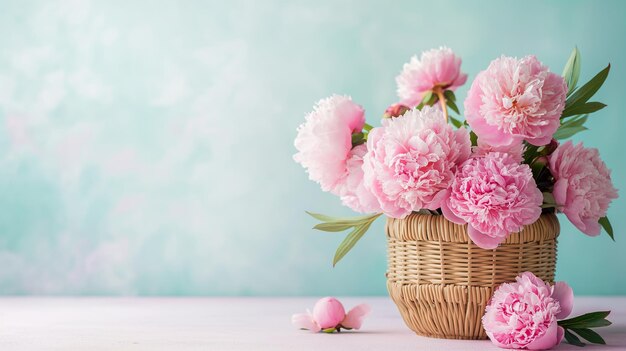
x,y
442,311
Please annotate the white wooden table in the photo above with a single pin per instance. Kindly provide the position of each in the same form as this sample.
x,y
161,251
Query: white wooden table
x,y
36,323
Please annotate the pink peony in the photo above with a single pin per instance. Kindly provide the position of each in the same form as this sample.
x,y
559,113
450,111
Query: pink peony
x,y
412,160
515,150
495,195
329,313
515,100
351,190
436,68
583,185
324,141
524,314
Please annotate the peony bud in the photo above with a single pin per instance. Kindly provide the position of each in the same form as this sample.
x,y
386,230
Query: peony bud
x,y
395,110
328,312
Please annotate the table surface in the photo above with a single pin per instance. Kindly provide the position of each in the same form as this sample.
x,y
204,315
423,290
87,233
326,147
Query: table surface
x,y
87,323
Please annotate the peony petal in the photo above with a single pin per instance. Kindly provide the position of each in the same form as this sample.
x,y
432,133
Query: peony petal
x,y
355,316
560,333
548,340
592,227
447,212
564,294
560,191
482,240
305,321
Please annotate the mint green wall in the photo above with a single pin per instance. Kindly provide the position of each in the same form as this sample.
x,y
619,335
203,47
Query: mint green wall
x,y
145,147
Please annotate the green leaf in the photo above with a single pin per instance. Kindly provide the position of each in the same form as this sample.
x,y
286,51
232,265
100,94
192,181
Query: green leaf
x,y
351,239
427,97
453,106
580,109
589,335
587,320
455,122
473,138
355,220
564,133
571,72
321,217
604,222
573,339
449,95
329,330
333,227
582,95
574,121
548,198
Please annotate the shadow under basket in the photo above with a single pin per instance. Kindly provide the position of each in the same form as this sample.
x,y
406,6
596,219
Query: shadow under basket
x,y
442,282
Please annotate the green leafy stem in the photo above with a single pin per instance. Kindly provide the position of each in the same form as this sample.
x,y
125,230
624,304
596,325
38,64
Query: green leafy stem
x,y
359,226
581,327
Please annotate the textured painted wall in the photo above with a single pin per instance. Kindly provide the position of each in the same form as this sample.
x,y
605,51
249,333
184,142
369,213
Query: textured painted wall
x,y
145,147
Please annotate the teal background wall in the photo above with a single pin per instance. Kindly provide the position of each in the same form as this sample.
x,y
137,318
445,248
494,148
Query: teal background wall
x,y
145,146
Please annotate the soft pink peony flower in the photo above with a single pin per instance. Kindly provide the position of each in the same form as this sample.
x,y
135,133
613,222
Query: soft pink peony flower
x,y
324,141
437,67
583,185
351,190
495,195
515,150
329,313
515,100
412,160
524,314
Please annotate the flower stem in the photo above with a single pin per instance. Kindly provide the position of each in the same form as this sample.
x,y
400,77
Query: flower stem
x,y
442,102
367,127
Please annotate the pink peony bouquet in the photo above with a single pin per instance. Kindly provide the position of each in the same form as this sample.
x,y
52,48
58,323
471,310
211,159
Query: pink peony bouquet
x,y
497,171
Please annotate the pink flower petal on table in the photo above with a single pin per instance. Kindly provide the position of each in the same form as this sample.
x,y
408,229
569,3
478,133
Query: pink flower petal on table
x,y
305,321
564,294
355,316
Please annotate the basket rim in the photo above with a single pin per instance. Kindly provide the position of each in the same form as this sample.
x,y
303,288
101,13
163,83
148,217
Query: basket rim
x,y
436,228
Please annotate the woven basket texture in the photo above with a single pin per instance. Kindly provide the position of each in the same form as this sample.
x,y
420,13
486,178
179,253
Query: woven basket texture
x,y
442,282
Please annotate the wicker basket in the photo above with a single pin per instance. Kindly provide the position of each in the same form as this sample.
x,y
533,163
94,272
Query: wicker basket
x,y
441,282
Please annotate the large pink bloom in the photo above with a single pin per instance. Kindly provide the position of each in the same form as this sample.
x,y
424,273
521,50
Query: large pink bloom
x,y
324,141
351,189
524,314
495,195
437,67
515,100
583,185
412,160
